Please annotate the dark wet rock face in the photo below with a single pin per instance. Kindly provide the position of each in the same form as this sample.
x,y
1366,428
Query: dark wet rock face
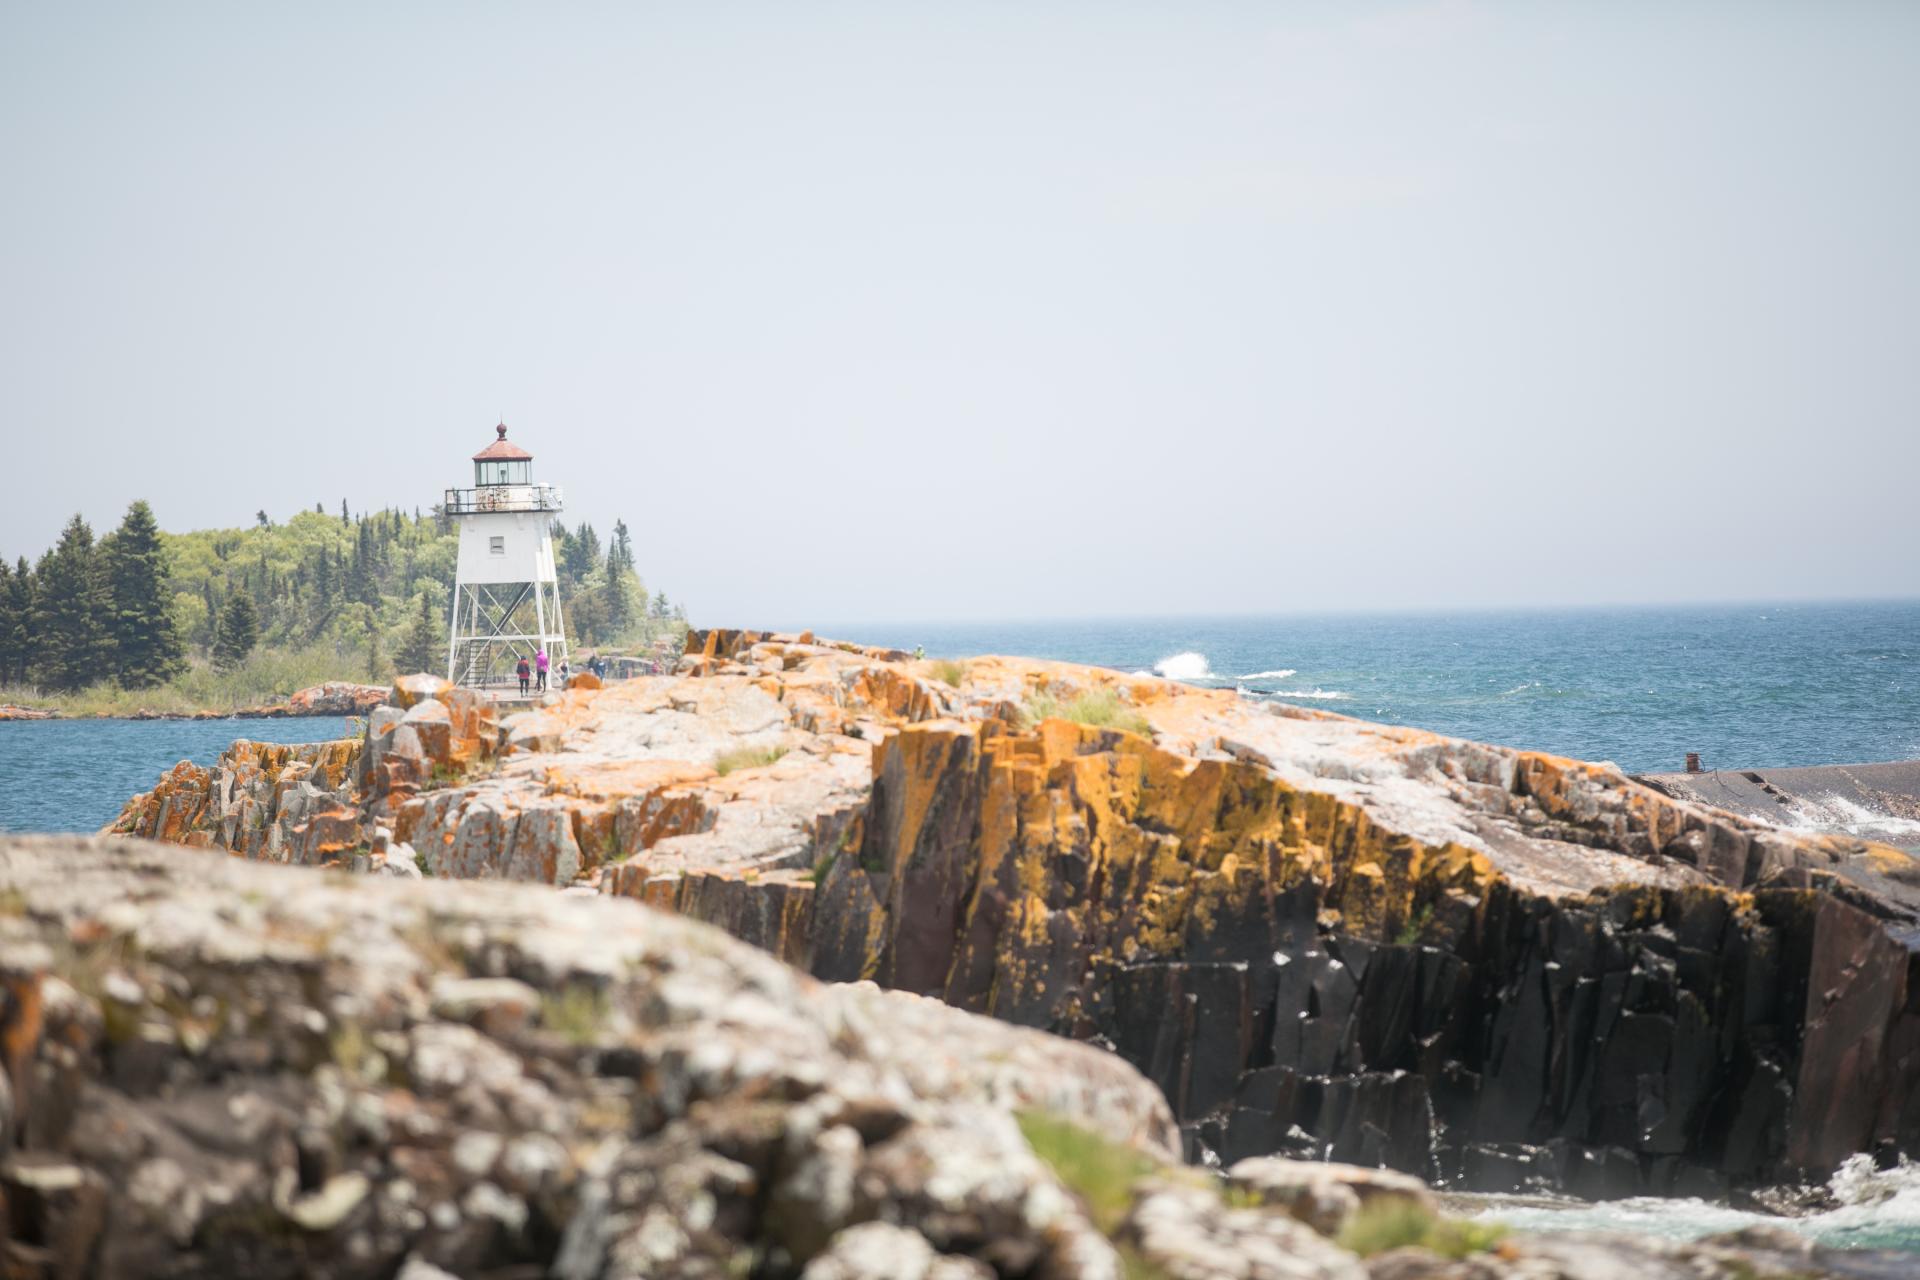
x,y
1651,1038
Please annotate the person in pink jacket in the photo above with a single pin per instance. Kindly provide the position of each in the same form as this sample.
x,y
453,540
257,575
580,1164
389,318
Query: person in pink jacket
x,y
540,670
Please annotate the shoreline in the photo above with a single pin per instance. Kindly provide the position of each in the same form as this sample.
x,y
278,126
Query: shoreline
x,y
334,698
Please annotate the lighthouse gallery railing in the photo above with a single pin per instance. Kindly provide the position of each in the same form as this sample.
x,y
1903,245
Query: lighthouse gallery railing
x,y
502,497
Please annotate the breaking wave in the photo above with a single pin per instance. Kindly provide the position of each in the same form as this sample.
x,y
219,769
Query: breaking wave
x,y
1327,695
1184,666
1835,813
1868,1208
1281,674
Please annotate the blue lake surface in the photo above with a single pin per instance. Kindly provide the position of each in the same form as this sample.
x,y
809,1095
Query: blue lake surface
x,y
1746,686
74,775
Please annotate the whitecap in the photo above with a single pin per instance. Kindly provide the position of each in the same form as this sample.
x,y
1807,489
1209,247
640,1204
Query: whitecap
x,y
1281,674
1874,1208
1830,813
1185,666
1323,694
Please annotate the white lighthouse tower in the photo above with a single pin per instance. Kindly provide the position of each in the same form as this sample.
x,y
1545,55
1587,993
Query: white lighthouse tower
x,y
506,598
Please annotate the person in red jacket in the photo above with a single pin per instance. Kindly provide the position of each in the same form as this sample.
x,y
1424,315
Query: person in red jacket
x,y
525,673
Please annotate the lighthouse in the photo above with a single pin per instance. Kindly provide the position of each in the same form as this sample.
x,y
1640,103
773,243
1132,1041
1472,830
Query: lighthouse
x,y
506,597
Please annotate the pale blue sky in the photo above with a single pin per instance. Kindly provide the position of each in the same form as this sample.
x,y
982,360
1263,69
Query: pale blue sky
x,y
982,309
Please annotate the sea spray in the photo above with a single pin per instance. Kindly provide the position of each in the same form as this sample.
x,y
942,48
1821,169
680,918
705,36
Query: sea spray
x,y
1184,666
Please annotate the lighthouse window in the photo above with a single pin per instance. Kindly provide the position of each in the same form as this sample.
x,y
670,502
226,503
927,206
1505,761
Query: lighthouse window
x,y
497,546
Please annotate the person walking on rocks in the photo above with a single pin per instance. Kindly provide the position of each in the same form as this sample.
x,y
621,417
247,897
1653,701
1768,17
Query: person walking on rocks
x,y
566,673
525,673
540,670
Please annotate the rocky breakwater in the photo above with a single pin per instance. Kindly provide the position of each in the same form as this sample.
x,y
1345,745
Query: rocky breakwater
x,y
213,1068
1497,969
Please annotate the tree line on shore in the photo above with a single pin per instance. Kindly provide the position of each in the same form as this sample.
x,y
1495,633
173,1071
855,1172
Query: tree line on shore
x,y
353,596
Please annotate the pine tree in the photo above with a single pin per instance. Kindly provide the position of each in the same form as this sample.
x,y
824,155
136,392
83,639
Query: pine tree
x,y
6,623
620,550
616,596
345,520
377,668
422,650
239,632
146,641
581,555
21,590
323,577
73,640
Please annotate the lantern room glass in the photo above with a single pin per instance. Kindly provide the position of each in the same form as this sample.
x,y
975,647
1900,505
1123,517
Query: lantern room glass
x,y
503,471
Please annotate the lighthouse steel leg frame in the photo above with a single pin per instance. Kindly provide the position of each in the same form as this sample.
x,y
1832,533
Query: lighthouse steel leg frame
x,y
487,621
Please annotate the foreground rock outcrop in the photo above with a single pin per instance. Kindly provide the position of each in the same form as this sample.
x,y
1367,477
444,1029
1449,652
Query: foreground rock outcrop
x,y
1497,969
211,1068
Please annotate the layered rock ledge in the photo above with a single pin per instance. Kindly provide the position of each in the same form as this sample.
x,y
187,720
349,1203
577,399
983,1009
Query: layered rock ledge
x,y
216,1068
1497,969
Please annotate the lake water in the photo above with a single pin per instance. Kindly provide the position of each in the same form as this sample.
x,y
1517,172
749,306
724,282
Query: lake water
x,y
74,775
1746,686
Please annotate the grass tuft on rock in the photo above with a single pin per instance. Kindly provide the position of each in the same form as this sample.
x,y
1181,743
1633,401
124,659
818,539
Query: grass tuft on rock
x,y
1100,1172
576,1013
1100,708
746,758
947,671
1396,1225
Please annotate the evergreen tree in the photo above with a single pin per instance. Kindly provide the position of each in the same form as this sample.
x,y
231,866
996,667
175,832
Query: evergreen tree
x,y
239,632
422,650
6,623
582,554
19,640
73,639
377,668
345,520
620,550
146,641
323,577
617,593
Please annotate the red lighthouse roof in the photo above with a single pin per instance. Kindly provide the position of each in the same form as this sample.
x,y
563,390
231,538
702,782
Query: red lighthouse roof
x,y
502,451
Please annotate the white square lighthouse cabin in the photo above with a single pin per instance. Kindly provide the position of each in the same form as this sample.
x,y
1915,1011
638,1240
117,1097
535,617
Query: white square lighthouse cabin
x,y
506,598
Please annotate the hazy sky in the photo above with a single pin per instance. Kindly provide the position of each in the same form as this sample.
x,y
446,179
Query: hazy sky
x,y
888,311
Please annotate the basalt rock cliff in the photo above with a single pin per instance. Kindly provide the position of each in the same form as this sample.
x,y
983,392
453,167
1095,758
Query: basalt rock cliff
x,y
214,1068
1498,969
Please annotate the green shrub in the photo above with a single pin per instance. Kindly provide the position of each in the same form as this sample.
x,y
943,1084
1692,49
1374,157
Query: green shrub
x,y
1396,1224
746,758
1100,708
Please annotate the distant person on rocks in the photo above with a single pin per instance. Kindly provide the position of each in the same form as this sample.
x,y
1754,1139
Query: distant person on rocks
x,y
525,673
540,670
566,673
